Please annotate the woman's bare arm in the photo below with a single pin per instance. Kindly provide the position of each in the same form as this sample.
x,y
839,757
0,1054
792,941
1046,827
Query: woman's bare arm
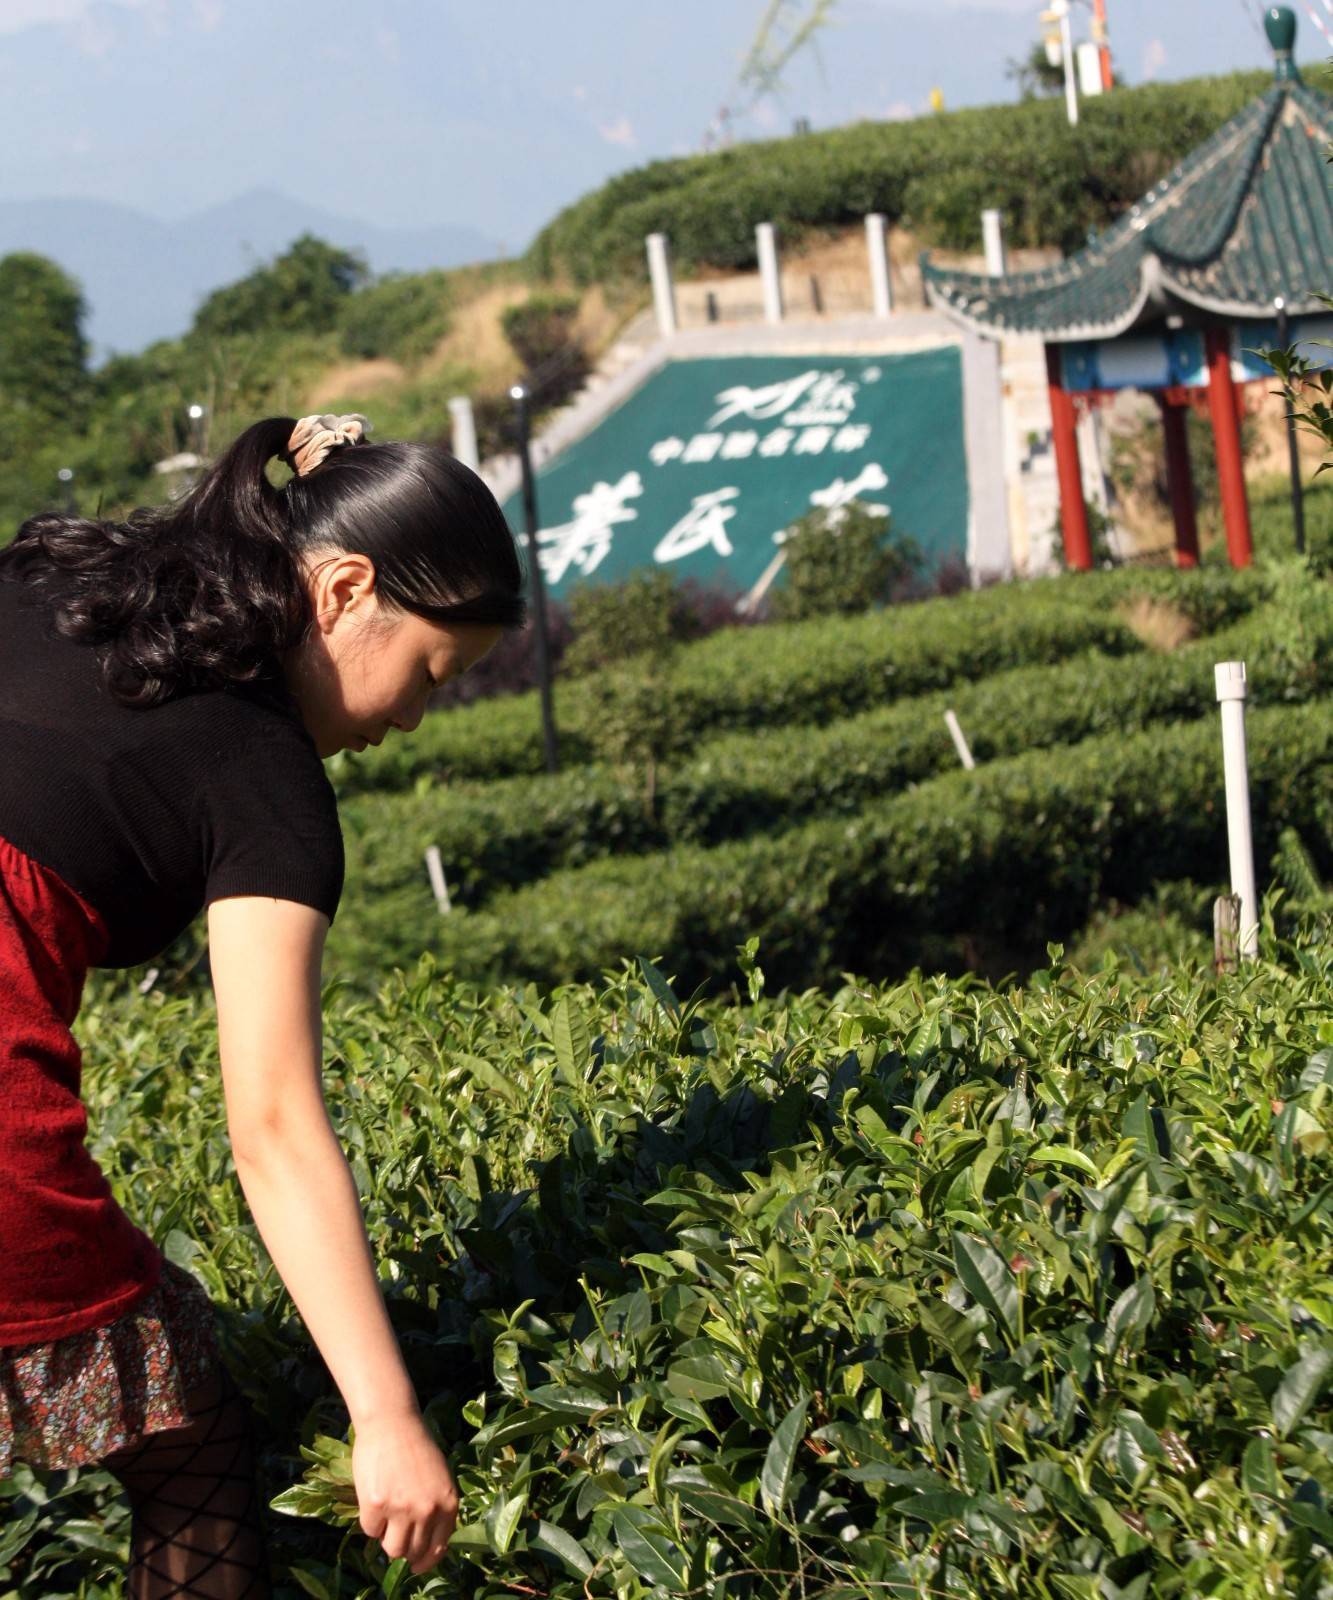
x,y
265,957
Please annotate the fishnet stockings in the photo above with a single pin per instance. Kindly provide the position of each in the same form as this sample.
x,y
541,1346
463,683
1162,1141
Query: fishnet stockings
x,y
196,1528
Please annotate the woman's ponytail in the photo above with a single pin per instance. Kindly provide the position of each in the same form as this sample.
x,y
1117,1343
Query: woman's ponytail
x,y
208,590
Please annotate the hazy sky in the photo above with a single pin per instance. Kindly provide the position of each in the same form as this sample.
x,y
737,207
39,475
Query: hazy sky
x,y
488,112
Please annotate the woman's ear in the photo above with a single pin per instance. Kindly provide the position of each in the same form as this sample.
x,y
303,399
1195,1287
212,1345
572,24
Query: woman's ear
x,y
346,584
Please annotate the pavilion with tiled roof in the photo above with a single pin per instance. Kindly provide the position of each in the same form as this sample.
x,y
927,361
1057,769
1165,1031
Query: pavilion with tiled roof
x,y
1232,245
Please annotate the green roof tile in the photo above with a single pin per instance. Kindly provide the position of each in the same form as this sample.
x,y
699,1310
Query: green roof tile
x,y
1246,216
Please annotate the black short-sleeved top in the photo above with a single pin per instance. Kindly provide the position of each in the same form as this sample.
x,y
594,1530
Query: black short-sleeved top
x,y
152,814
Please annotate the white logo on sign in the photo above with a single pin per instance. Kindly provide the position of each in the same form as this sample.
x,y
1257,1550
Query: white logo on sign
x,y
585,540
770,401
703,524
830,400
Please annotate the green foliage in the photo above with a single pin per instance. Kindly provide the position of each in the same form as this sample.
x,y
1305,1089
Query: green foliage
x,y
1166,931
614,621
302,290
43,353
401,315
513,832
1034,75
965,870
816,671
1308,392
918,1288
934,174
540,328
841,561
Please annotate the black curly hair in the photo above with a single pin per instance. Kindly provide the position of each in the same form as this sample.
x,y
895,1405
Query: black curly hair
x,y
206,591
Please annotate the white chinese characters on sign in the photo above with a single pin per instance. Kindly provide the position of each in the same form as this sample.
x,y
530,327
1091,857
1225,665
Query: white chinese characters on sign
x,y
841,492
703,524
815,410
585,540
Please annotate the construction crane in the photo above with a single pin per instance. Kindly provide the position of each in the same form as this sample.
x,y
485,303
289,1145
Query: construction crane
x,y
786,28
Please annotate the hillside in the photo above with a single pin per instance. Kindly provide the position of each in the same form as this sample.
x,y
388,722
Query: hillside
x,y
931,175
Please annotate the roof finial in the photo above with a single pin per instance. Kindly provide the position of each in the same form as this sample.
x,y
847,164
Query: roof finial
x,y
1280,25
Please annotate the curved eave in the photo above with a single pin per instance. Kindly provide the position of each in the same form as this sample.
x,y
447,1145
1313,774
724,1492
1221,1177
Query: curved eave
x,y
1238,310
1067,333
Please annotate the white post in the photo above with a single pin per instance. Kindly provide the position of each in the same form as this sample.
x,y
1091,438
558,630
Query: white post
x,y
464,431
960,743
664,293
1230,679
1067,45
768,271
877,243
992,234
435,867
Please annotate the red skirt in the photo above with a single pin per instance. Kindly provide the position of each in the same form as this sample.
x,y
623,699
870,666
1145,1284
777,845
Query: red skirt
x,y
99,1336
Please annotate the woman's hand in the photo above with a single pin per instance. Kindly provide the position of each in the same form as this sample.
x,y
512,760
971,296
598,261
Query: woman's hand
x,y
405,1491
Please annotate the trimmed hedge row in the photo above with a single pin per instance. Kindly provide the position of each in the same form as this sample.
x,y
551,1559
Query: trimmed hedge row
x,y
512,832
934,173
815,671
967,869
915,1290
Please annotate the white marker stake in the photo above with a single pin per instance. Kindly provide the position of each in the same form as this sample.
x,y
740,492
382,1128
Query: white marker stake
x,y
664,293
1230,678
436,869
959,742
992,234
881,285
771,276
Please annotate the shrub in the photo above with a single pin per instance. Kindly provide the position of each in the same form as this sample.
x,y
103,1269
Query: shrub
x,y
841,561
929,1287
402,316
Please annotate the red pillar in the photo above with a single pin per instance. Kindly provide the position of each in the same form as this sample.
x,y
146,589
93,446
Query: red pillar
x,y
1064,435
1180,481
1223,403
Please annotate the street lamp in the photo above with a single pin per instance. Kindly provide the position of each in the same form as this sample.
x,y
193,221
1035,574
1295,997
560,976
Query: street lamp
x,y
66,476
196,416
1293,449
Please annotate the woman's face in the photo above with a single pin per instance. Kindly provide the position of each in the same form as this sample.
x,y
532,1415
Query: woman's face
x,y
364,670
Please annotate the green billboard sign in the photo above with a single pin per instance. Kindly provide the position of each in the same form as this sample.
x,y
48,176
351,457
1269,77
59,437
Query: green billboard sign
x,y
702,468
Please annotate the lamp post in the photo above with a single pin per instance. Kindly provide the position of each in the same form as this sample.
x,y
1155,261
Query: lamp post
x,y
519,395
1059,12
1293,451
196,415
66,476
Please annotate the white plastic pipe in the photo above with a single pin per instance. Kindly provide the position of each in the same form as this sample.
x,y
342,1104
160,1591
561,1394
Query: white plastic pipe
x,y
877,243
435,867
992,233
464,431
664,291
768,271
1230,678
960,743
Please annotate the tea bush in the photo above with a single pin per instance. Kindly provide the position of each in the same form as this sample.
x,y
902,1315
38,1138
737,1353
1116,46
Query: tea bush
x,y
911,1289
510,832
935,173
969,869
814,671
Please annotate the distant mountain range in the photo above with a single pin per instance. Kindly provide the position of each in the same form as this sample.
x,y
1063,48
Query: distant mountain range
x,y
143,278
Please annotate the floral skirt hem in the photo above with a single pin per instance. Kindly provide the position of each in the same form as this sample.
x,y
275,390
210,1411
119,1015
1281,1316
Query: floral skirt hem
x,y
72,1401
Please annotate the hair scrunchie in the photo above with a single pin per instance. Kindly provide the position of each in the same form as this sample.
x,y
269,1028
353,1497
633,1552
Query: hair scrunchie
x,y
313,437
